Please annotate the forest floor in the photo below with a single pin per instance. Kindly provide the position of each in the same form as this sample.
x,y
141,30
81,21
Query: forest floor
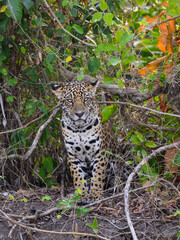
x,y
152,214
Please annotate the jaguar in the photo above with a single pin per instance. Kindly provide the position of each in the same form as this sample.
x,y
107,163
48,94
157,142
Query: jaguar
x,y
86,138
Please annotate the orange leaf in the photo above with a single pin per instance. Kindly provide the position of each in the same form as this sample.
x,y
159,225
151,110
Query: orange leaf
x,y
150,21
168,68
164,4
163,102
171,25
162,43
150,67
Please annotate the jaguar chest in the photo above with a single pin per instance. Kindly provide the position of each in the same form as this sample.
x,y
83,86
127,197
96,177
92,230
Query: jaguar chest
x,y
82,144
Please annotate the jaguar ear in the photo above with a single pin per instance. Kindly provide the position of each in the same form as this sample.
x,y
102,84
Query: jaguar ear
x,y
94,86
57,90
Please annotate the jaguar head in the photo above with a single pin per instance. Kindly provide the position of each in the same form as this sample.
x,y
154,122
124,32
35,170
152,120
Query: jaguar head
x,y
78,101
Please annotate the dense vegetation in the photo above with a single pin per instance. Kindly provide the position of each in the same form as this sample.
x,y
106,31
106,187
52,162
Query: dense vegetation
x,y
121,43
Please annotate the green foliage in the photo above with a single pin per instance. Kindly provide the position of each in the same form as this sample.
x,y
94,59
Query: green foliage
x,y
24,200
70,203
94,226
15,8
46,198
107,112
35,51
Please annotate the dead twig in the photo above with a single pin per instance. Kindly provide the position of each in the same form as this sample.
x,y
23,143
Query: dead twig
x,y
36,140
141,107
51,232
130,178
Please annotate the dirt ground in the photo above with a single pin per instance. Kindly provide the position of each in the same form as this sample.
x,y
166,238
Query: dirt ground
x,y
152,213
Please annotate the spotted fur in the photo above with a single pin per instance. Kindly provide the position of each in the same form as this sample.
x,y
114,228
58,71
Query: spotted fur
x,y
85,137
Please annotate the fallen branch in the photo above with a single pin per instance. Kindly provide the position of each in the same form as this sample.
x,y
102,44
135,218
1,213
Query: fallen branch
x,y
51,232
55,209
137,168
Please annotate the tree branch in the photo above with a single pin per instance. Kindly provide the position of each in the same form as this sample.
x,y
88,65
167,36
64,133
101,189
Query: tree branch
x,y
36,139
131,94
54,16
137,168
145,108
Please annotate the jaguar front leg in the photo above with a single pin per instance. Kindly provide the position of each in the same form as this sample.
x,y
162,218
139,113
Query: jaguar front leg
x,y
98,177
79,176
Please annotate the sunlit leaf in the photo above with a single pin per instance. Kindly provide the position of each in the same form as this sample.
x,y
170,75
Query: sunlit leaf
x,y
107,112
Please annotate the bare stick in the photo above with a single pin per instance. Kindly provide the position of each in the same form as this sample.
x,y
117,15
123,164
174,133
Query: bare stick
x,y
36,139
51,232
145,108
54,16
137,168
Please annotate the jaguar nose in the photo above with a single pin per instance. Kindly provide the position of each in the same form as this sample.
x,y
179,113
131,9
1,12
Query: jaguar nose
x,y
79,113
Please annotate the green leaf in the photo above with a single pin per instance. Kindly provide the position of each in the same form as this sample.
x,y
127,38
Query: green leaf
x,y
125,39
42,173
3,71
135,149
95,223
4,21
79,191
125,53
103,5
177,158
23,50
129,59
65,3
119,34
78,28
31,111
150,144
177,213
81,211
178,235
50,67
2,58
81,75
10,98
27,3
93,65
11,81
107,112
106,47
140,136
15,8
24,200
108,80
11,197
108,17
120,83
114,61
97,17
46,198
135,140
48,164
1,38
119,73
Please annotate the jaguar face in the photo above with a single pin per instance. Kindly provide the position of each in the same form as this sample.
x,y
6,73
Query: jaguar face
x,y
78,102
